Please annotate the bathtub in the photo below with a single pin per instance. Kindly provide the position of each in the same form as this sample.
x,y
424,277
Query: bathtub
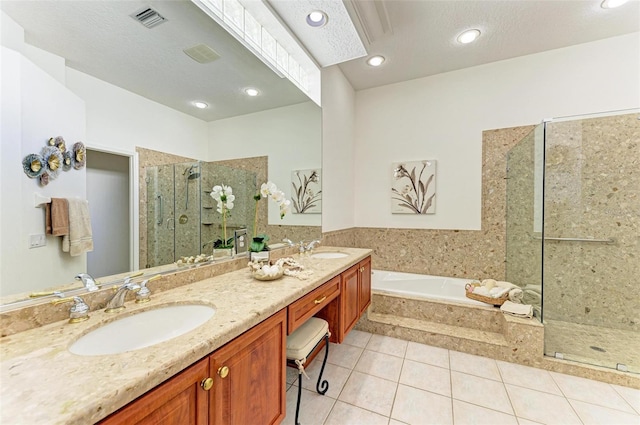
x,y
448,289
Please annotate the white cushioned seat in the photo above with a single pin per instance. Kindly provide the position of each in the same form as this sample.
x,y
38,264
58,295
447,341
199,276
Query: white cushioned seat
x,y
302,341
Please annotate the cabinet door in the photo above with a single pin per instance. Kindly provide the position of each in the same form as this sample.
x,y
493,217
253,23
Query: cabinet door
x,y
365,285
349,299
249,376
179,401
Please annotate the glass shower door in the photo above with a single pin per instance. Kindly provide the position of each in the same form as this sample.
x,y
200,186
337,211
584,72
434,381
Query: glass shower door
x,y
591,241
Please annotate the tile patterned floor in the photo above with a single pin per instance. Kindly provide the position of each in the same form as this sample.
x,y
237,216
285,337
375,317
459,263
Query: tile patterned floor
x,y
376,379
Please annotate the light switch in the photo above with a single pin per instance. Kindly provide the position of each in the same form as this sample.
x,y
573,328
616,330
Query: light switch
x,y
36,241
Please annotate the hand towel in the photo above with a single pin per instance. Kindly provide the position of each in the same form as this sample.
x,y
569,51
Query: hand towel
x,y
58,217
518,310
80,239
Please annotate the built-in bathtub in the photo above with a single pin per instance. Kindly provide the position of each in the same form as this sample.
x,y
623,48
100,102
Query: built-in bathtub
x,y
422,286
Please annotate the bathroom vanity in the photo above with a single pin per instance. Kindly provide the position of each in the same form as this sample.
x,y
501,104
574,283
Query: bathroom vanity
x,y
230,370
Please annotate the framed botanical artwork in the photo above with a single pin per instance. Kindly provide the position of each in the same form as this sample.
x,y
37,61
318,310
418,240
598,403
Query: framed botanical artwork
x,y
413,187
306,194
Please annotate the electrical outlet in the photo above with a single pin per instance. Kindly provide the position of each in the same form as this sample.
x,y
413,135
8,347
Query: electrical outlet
x,y
36,241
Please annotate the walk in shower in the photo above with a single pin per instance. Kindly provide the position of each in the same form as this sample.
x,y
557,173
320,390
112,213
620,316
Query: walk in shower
x,y
573,235
181,218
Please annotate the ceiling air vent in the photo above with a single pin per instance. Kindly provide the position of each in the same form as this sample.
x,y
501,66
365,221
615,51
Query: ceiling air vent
x,y
202,53
148,17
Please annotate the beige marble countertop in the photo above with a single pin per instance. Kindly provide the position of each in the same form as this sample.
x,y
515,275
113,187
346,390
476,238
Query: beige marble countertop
x,y
43,383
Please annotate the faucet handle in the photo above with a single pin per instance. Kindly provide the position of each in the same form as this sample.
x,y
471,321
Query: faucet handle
x,y
144,294
128,279
79,311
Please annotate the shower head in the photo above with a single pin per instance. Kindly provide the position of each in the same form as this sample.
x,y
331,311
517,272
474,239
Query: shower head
x,y
192,174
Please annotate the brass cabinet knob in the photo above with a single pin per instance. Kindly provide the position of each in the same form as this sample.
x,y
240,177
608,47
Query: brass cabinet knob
x,y
207,384
223,371
318,301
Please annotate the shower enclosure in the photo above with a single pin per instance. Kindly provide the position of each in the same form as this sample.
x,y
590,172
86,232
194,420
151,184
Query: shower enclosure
x,y
181,219
573,235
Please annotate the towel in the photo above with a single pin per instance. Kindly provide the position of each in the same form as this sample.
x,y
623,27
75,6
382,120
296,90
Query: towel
x,y
80,239
56,217
518,310
516,295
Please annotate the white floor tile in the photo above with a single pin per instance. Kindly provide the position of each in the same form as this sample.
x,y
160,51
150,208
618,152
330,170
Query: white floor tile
x,y
314,408
631,395
387,345
357,338
346,414
591,414
344,355
369,392
474,365
417,407
423,353
590,391
379,364
426,377
528,377
541,407
480,391
527,422
469,414
336,376
395,422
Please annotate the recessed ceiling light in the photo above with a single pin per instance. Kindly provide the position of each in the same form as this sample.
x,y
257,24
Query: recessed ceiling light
x,y
317,19
251,92
468,36
200,105
610,4
375,60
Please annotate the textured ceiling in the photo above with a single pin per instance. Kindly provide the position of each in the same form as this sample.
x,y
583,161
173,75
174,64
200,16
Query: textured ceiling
x,y
101,39
335,42
418,37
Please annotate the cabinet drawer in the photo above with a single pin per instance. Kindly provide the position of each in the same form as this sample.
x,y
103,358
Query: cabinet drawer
x,y
310,304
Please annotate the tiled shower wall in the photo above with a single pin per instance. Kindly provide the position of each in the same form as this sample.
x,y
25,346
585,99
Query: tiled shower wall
x,y
148,158
592,190
474,254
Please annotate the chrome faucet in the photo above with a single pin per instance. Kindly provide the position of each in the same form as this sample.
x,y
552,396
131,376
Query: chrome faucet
x,y
116,303
88,282
312,245
300,245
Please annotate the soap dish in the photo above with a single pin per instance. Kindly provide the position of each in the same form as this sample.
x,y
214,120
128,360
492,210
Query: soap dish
x,y
260,275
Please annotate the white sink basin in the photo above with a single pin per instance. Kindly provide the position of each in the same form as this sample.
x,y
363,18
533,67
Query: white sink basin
x,y
328,254
142,330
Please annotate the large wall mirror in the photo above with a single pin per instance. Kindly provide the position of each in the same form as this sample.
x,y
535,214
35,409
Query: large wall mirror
x,y
87,70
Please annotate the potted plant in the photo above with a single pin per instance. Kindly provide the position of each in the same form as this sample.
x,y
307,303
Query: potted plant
x,y
223,195
259,249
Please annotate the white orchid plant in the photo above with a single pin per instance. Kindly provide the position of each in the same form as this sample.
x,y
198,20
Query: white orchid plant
x,y
223,195
267,190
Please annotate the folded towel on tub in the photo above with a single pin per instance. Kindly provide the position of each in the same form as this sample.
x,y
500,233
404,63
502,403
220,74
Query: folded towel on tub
x,y
517,310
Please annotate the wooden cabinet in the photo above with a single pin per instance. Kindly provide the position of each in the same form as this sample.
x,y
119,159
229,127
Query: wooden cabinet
x,y
181,400
364,286
307,306
248,376
355,295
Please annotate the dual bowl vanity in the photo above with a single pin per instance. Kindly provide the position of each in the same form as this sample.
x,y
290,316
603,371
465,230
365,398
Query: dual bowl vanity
x,y
209,352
